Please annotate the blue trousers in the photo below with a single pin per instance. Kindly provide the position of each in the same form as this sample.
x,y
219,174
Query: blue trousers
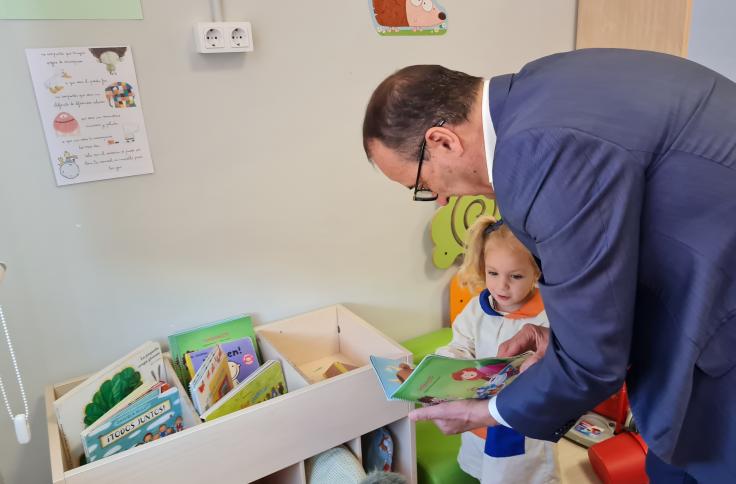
x,y
660,472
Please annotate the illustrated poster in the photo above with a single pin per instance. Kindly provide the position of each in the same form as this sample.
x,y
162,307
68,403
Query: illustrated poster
x,y
408,17
70,9
91,111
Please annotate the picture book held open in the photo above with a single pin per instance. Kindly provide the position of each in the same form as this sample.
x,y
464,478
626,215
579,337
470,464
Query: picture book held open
x,y
439,378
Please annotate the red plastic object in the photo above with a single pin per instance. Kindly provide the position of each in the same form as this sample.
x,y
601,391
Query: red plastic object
x,y
620,459
615,408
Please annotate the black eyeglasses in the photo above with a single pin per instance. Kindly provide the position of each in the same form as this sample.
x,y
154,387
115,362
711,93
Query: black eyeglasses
x,y
421,193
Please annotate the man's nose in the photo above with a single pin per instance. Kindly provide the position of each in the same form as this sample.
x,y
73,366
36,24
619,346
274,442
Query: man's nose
x,y
442,200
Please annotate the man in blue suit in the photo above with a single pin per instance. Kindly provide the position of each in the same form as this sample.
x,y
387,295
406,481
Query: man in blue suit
x,y
617,169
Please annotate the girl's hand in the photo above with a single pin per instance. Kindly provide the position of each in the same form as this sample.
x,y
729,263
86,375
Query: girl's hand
x,y
530,338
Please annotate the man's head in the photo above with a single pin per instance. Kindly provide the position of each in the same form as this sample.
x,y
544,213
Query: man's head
x,y
437,106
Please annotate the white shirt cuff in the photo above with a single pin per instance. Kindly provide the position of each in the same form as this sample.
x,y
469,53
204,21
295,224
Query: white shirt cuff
x,y
495,414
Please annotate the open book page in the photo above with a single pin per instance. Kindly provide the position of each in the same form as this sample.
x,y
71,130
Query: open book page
x,y
439,378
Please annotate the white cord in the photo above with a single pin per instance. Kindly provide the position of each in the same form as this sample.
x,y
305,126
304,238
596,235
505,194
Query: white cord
x,y
216,6
17,372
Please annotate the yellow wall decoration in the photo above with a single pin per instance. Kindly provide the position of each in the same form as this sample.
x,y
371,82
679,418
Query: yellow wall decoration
x,y
450,226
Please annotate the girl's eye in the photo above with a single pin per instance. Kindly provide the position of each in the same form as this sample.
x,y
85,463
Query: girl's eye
x,y
492,273
517,277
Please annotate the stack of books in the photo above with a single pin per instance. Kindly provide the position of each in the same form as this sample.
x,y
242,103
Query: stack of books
x,y
219,363
133,401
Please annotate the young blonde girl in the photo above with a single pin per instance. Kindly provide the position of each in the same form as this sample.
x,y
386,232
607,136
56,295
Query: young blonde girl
x,y
498,265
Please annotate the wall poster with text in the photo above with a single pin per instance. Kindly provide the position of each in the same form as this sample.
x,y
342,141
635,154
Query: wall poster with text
x,y
91,110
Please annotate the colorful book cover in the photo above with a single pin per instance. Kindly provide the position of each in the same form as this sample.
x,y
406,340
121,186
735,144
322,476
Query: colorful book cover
x,y
206,336
84,404
263,384
153,416
212,381
132,397
439,378
241,356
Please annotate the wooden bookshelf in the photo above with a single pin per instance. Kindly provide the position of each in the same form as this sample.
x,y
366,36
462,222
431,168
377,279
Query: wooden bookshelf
x,y
268,442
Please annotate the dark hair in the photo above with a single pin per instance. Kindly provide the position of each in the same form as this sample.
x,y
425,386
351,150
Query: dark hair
x,y
408,102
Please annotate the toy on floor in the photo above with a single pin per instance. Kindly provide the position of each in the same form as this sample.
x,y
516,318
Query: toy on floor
x,y
591,429
620,459
334,465
616,451
607,419
338,368
378,450
379,477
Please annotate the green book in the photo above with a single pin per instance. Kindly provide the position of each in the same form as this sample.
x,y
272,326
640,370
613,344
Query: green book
x,y
439,378
206,336
265,383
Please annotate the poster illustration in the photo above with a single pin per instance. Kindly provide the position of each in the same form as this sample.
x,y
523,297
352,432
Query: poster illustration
x,y
408,17
91,112
70,9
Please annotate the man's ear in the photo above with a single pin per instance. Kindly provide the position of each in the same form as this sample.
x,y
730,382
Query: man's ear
x,y
443,138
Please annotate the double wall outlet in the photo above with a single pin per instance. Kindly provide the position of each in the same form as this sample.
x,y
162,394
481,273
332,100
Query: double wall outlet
x,y
219,37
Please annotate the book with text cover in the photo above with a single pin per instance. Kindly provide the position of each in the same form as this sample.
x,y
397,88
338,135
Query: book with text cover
x,y
439,378
207,336
263,384
84,404
132,397
152,416
241,356
212,381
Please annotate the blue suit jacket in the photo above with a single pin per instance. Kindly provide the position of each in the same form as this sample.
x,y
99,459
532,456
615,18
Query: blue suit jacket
x,y
617,169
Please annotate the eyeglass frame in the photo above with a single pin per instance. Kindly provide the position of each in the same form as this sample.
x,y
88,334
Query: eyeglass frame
x,y
417,189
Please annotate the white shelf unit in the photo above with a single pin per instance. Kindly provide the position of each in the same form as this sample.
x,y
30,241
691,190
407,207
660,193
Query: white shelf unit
x,y
269,442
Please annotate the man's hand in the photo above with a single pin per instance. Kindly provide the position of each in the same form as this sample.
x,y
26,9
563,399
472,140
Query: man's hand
x,y
530,338
456,417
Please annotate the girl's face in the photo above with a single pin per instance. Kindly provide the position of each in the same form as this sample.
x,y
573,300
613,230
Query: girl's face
x,y
510,275
469,375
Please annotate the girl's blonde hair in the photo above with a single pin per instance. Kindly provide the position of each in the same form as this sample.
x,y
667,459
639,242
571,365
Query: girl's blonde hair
x,y
473,269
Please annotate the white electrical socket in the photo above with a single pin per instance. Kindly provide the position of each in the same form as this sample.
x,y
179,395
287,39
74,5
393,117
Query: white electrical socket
x,y
209,37
239,36
217,37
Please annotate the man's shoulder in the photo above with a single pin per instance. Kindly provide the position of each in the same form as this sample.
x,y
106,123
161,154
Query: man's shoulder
x,y
630,96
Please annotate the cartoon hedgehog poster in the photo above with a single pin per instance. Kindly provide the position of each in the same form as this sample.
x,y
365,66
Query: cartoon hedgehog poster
x,y
408,17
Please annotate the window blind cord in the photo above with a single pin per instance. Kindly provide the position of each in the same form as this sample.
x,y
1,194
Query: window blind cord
x,y
17,372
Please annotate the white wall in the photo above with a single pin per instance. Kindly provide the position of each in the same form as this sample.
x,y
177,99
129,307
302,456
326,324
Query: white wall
x,y
712,36
261,202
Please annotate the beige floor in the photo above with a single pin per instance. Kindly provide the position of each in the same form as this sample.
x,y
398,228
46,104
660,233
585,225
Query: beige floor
x,y
574,465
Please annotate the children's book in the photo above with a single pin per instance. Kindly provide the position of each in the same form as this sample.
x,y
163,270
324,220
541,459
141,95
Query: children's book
x,y
241,356
84,404
207,336
132,397
151,417
263,384
439,378
212,381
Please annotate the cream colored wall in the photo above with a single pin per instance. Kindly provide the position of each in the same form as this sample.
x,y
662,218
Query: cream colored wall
x,y
261,202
